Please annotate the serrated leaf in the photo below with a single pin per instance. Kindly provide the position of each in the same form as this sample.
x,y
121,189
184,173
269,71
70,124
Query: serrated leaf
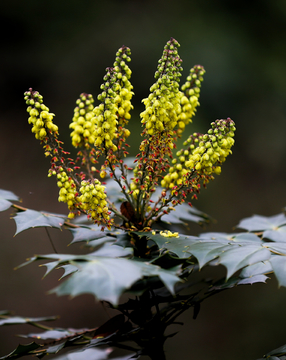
x,y
88,233
262,223
279,351
84,354
253,279
12,320
112,250
5,196
239,257
68,270
263,267
276,247
184,213
32,218
108,278
177,245
21,350
278,264
278,234
55,334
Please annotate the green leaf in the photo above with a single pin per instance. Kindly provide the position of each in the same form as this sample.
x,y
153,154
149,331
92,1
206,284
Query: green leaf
x,y
88,233
262,223
234,251
112,250
252,280
68,270
278,264
259,268
179,246
279,351
5,196
278,248
184,213
279,234
31,218
22,350
90,354
12,320
241,256
55,334
107,278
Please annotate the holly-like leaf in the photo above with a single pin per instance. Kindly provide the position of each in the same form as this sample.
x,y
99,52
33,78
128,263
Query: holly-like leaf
x,y
252,280
5,196
263,267
234,281
262,223
55,334
184,213
234,251
12,320
84,354
278,264
112,250
88,233
21,350
178,245
279,352
107,278
279,234
32,218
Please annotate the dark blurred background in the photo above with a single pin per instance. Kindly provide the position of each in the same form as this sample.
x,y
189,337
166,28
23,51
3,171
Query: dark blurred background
x,y
61,48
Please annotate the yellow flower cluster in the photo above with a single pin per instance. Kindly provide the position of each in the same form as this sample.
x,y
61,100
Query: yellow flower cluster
x,y
105,117
125,93
67,193
163,104
204,155
82,123
93,199
190,97
40,117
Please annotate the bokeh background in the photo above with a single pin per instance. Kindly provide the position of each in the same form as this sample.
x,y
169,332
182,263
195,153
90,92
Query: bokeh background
x,y
61,48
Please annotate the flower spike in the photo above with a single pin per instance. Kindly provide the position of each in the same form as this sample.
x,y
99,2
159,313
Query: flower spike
x,y
159,180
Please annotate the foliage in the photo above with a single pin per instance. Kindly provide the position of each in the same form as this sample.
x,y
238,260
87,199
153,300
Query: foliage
x,y
128,218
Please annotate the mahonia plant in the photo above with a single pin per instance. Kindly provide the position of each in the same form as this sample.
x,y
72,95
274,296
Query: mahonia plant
x,y
100,134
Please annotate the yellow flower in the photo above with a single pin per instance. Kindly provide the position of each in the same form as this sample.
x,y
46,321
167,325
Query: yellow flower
x,y
82,123
40,117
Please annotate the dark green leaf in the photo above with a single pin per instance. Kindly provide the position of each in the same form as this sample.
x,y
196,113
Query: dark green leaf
x,y
177,245
257,269
31,218
22,350
279,234
279,351
241,256
68,269
253,279
184,213
262,223
12,320
5,196
112,250
108,278
278,248
279,267
90,354
88,233
56,334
